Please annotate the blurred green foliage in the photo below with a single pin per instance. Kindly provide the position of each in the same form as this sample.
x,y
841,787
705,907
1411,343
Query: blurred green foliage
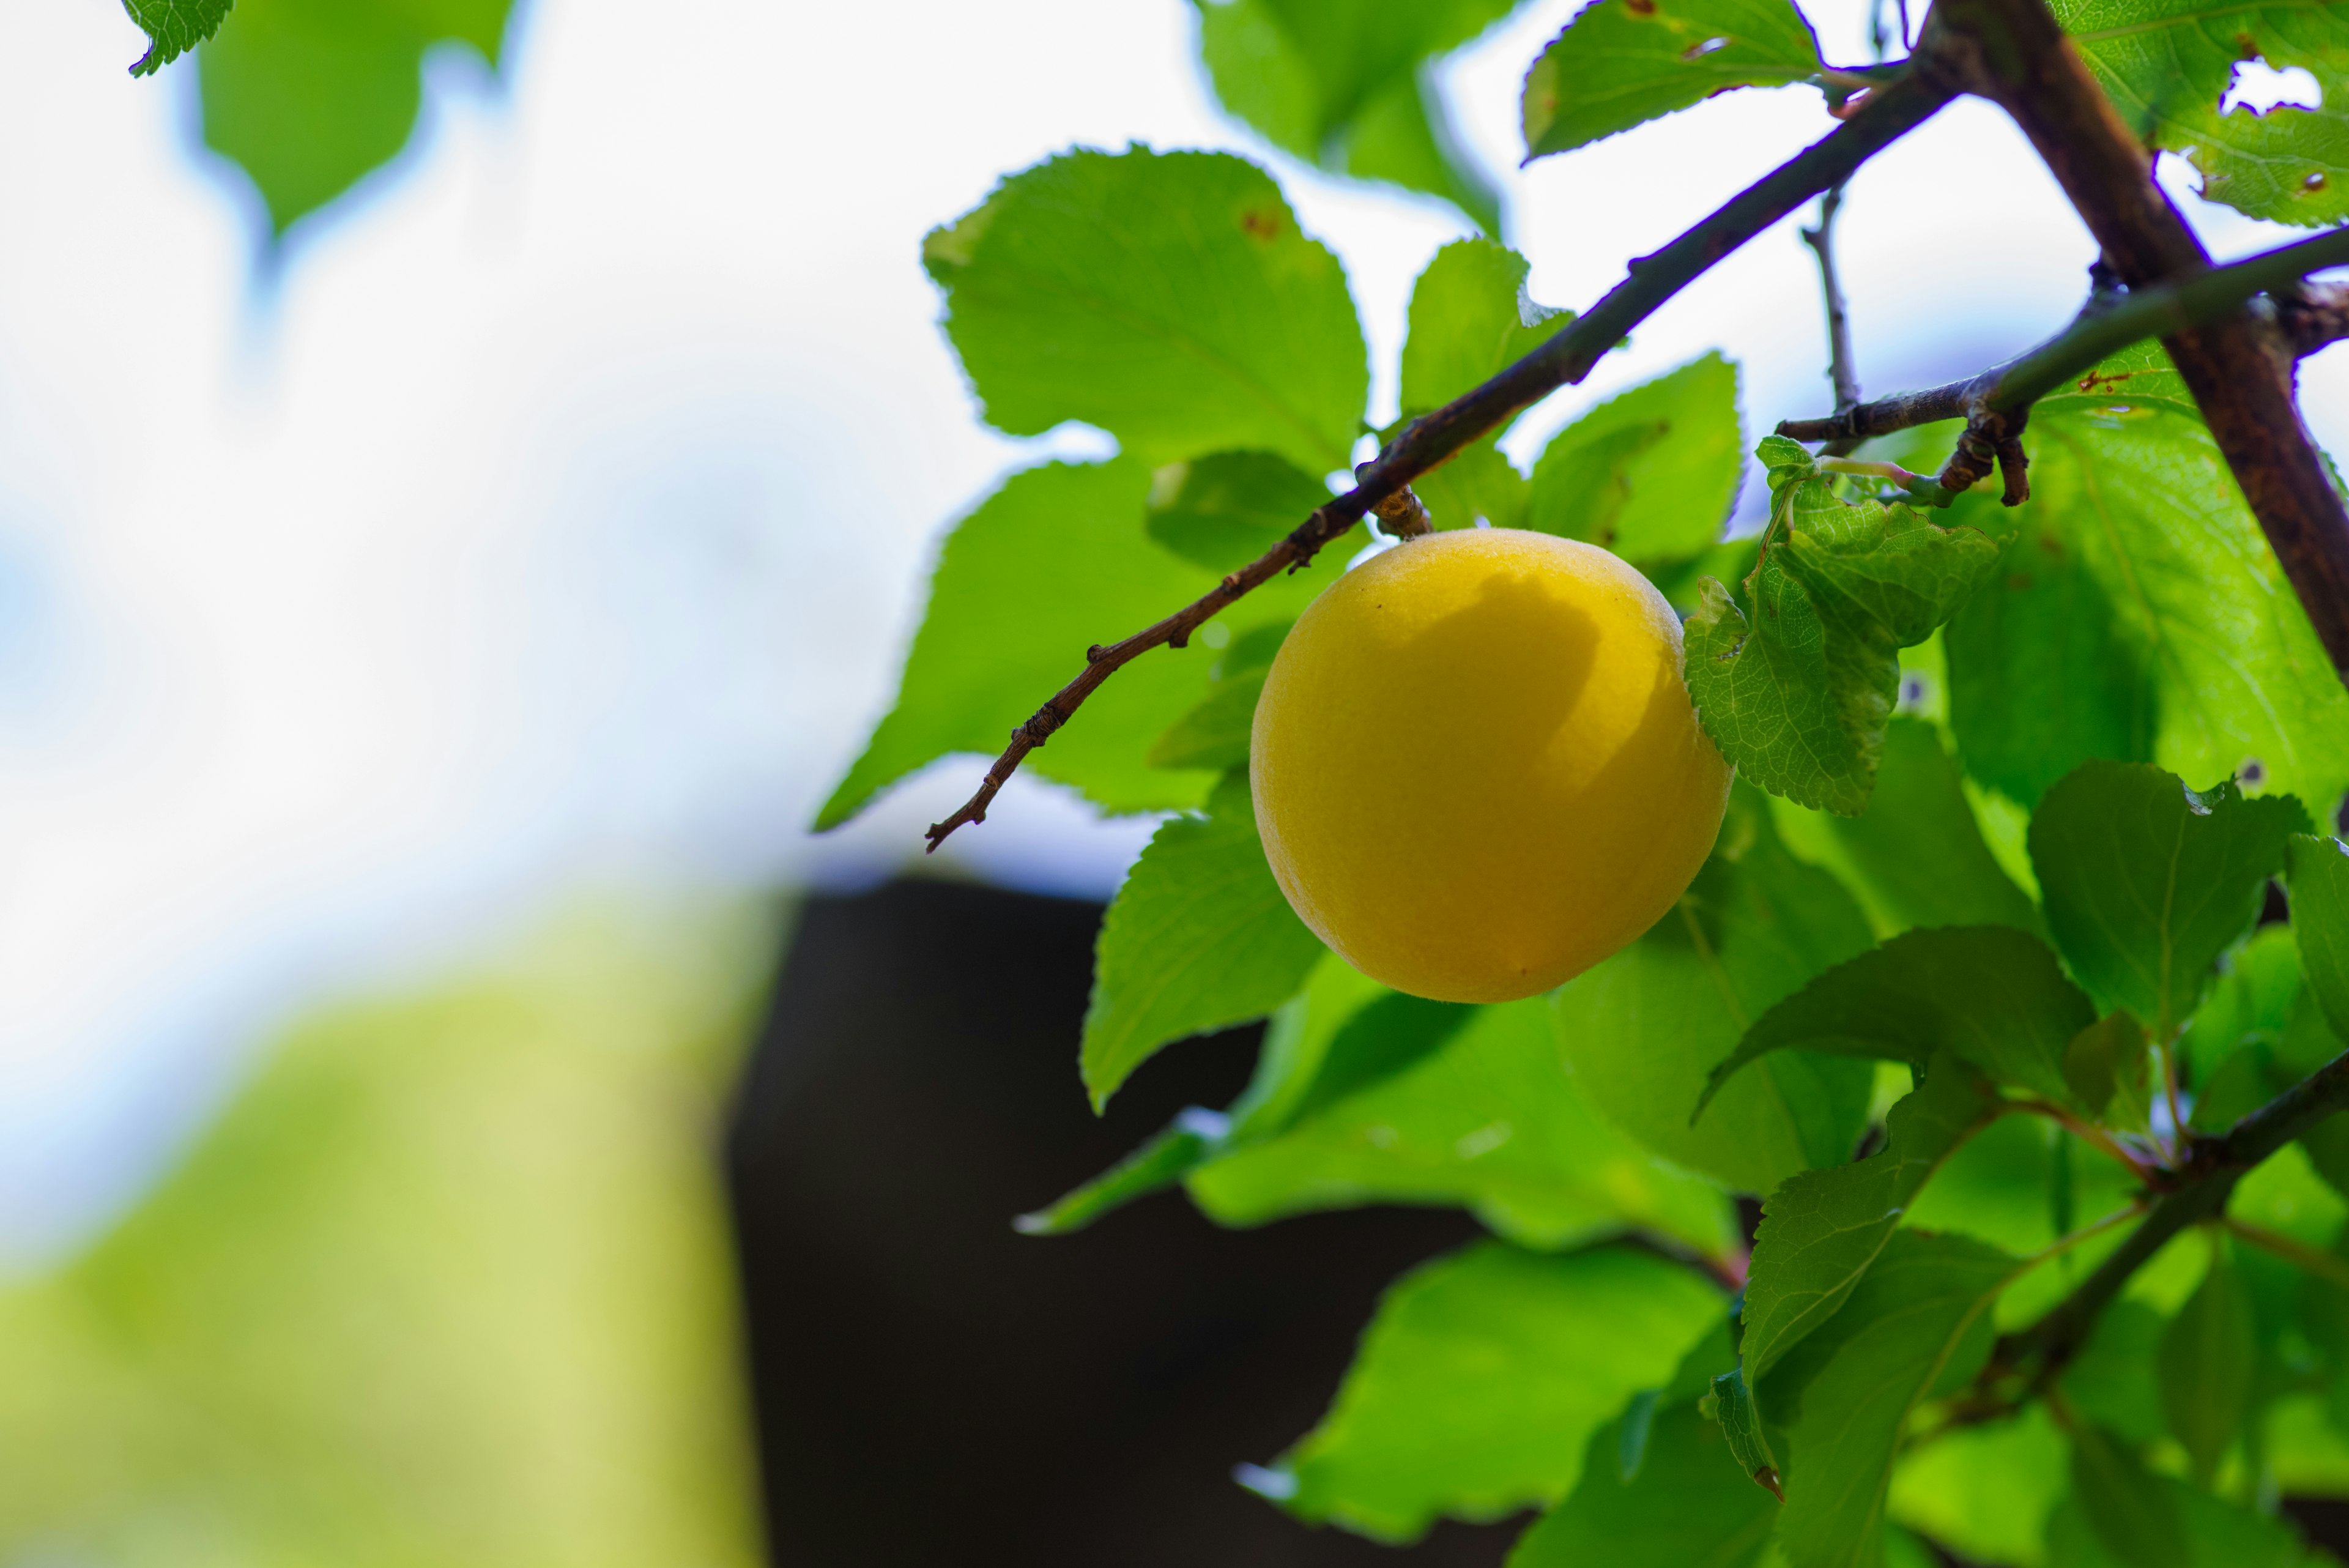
x,y
446,1283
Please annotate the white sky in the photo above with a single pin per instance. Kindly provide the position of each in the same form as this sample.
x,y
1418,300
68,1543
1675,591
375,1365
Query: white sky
x,y
554,515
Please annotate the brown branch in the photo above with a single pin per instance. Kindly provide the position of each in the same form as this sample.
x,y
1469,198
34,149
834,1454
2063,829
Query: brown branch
x,y
1996,402
1841,373
2024,1362
1889,112
2238,368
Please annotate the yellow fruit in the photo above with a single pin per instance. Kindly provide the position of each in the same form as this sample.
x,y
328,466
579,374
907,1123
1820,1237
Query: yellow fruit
x,y
1475,766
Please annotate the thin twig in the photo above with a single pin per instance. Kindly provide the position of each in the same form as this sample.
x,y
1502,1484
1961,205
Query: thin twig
x,y
2025,1361
1889,111
2087,1132
2309,1260
1841,373
2109,323
2239,368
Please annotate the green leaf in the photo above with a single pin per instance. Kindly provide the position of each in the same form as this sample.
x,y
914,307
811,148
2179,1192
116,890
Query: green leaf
x,y
2213,1533
1412,1104
2254,1000
1990,996
1985,1491
1054,561
1222,511
1621,62
2141,376
2130,1511
1170,299
1199,938
2105,1059
1641,1030
1190,1140
2147,882
2165,64
172,28
2318,876
1916,856
2207,1356
1470,318
1346,85
1917,1326
2014,1183
1481,1381
1799,696
1685,1506
1215,735
1822,1229
1650,473
2139,616
307,96
1732,1405
2112,1381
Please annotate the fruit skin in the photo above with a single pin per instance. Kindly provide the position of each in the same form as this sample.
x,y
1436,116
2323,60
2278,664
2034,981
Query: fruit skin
x,y
1475,766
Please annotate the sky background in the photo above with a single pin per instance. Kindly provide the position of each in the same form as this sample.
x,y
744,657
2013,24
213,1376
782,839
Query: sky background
x,y
549,517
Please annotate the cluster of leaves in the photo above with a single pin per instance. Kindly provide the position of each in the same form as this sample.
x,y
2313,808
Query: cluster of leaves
x,y
1968,965
309,96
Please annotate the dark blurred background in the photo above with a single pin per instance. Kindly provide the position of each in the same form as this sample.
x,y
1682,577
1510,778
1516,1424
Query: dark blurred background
x,y
932,1386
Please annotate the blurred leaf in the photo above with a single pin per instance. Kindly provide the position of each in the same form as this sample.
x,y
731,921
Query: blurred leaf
x,y
1479,483
2147,882
2132,1513
2108,1058
1062,543
1621,62
1481,1381
2253,1001
1222,511
1998,1187
1651,473
1480,1113
172,28
1470,318
2213,1534
1641,1030
2208,1355
1215,735
2113,1381
1985,1491
2151,621
1990,996
1686,1506
308,96
1345,84
2165,64
2318,878
1917,1325
447,1281
1822,1229
1916,856
1198,937
1798,696
1170,299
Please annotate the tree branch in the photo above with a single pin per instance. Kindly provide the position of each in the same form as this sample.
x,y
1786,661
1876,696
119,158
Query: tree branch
x,y
1883,115
2107,324
2240,368
1841,373
2197,1191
